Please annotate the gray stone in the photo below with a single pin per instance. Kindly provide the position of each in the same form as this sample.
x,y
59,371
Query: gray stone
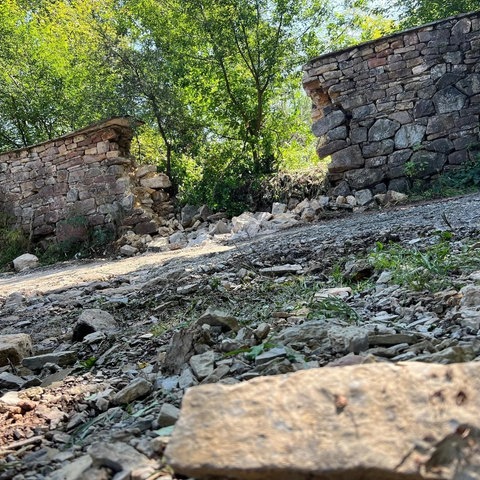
x,y
93,320
450,99
178,240
363,111
220,228
293,426
409,135
364,197
204,212
14,347
218,318
385,277
282,269
364,177
348,339
462,27
470,85
312,333
326,147
343,189
186,379
128,251
399,184
350,157
73,470
278,208
179,351
441,145
470,296
61,359
168,415
448,79
375,149
338,133
396,197
217,374
188,214
8,381
156,182
427,163
144,170
423,108
25,262
330,121
134,390
202,365
389,339
119,457
269,355
383,129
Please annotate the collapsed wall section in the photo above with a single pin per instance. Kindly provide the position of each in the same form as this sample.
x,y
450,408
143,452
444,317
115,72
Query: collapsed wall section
x,y
401,107
62,188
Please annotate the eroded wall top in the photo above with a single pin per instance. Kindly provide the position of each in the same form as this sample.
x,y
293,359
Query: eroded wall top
x,y
412,99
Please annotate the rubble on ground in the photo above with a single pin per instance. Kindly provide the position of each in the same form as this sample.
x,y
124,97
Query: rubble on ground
x,y
94,382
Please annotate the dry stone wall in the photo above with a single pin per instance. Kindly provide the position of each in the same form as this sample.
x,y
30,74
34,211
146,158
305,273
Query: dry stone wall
x,y
399,107
62,188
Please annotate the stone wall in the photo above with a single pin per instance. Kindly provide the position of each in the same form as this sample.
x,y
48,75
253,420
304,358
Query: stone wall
x,y
63,188
399,107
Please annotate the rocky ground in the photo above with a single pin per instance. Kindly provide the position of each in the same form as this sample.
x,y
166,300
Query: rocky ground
x,y
97,355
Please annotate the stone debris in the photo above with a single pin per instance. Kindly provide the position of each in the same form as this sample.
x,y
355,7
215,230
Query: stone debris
x,y
25,262
14,347
93,320
195,226
94,381
62,359
136,389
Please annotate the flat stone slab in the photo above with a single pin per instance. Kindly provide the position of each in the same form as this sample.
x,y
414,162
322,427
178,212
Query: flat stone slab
x,y
365,422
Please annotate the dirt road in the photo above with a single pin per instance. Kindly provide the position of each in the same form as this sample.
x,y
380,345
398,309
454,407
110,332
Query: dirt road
x,y
457,213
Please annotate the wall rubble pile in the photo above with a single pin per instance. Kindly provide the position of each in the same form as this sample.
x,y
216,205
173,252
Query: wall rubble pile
x,y
86,179
411,97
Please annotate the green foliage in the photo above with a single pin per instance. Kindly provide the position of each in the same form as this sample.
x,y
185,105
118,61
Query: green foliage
x,y
52,77
458,181
414,169
418,12
334,307
97,241
425,268
89,363
253,352
14,242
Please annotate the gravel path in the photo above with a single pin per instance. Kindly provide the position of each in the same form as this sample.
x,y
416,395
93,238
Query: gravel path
x,y
459,213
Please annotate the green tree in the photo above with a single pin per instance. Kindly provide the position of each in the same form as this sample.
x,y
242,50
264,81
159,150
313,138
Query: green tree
x,y
52,77
247,51
142,47
418,12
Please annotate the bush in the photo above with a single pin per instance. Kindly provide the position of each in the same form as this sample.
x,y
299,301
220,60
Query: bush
x,y
14,242
458,181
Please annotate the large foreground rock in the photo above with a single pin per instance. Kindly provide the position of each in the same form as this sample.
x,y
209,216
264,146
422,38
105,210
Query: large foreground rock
x,y
379,421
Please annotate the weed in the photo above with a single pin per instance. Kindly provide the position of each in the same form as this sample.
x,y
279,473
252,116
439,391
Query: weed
x,y
89,363
14,242
334,307
336,275
459,181
428,268
414,169
256,350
